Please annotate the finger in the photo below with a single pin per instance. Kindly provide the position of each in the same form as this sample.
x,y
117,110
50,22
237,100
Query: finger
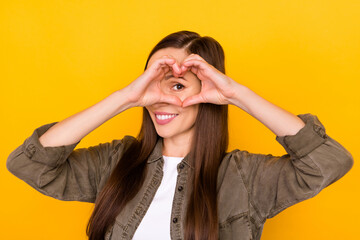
x,y
192,100
161,62
195,63
165,68
184,68
183,71
196,56
170,99
193,56
173,64
176,68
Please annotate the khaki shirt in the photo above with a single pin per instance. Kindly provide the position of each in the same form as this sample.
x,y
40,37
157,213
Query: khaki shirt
x,y
251,187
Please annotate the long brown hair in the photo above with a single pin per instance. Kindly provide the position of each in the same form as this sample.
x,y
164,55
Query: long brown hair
x,y
209,145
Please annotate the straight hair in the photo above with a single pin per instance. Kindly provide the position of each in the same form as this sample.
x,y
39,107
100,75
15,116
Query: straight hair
x,y
209,146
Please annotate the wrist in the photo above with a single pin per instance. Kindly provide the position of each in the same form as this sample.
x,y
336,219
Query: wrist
x,y
241,94
122,100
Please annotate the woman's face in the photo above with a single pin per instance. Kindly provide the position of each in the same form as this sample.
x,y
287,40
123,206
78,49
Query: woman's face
x,y
172,121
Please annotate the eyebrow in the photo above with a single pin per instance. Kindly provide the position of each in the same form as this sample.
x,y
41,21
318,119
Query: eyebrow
x,y
170,75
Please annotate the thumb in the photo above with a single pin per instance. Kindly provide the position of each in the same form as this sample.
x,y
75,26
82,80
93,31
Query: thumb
x,y
171,99
192,100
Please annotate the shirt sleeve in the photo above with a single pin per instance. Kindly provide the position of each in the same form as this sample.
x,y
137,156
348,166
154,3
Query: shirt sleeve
x,y
313,161
62,172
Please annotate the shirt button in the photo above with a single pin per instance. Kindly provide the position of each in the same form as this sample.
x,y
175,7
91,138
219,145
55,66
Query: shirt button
x,y
180,188
181,166
30,150
174,220
155,182
139,210
322,133
319,130
316,128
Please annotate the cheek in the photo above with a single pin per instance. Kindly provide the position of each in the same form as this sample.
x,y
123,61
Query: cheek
x,y
187,93
195,89
192,112
198,87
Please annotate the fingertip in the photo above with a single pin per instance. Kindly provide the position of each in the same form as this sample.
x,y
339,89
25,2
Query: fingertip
x,y
170,61
180,103
174,100
176,68
193,100
183,68
185,103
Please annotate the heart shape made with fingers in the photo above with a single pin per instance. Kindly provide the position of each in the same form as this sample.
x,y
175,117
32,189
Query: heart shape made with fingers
x,y
183,84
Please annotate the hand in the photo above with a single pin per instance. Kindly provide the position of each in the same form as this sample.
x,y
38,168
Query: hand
x,y
216,87
145,90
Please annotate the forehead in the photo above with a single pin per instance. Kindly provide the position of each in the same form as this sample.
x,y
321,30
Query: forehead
x,y
178,53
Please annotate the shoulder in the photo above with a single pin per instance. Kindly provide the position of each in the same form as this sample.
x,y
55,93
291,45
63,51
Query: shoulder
x,y
245,160
123,143
237,156
127,139
230,169
231,160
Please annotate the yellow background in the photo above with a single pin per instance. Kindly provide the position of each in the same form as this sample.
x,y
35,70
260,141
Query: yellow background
x,y
60,57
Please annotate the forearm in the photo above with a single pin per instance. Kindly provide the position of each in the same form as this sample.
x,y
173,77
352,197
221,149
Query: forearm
x,y
77,126
278,120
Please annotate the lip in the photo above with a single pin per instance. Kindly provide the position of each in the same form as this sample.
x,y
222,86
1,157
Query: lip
x,y
164,121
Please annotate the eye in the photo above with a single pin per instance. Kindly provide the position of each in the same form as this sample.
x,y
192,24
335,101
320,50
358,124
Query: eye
x,y
178,87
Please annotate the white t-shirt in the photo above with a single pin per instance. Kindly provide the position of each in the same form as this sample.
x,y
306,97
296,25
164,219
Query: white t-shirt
x,y
157,219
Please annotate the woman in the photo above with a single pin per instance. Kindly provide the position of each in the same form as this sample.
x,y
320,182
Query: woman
x,y
176,179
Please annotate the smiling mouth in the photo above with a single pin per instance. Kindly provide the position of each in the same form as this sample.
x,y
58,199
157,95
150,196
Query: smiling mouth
x,y
164,118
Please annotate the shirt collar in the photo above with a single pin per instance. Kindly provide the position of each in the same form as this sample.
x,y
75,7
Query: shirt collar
x,y
156,154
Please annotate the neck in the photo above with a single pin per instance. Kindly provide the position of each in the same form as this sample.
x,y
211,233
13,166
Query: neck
x,y
178,146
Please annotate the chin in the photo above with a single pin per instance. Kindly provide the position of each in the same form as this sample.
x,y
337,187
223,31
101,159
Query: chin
x,y
165,134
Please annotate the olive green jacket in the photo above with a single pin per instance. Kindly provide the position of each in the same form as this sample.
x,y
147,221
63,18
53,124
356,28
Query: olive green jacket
x,y
251,187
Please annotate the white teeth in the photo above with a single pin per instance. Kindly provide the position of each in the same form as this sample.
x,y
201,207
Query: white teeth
x,y
163,117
